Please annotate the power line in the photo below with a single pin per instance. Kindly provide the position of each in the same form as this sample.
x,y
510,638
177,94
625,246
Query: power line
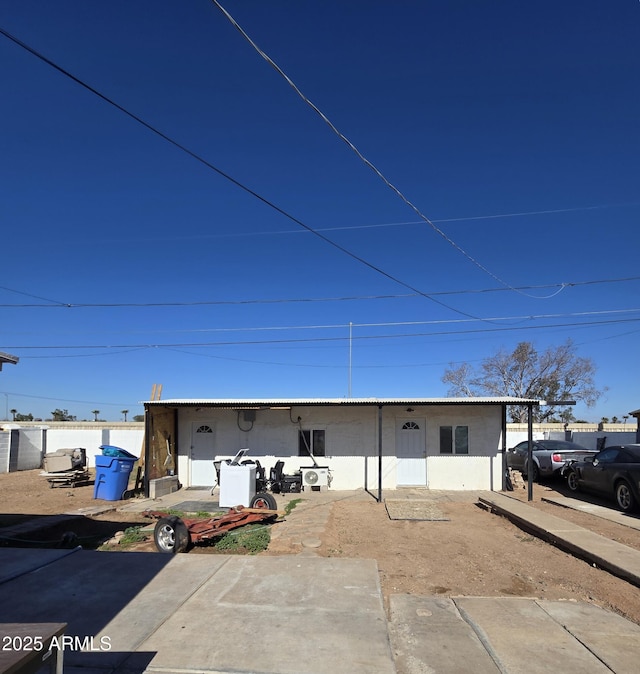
x,y
226,176
360,156
378,324
322,339
293,300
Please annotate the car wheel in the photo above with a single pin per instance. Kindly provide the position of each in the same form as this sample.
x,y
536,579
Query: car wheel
x,y
572,480
171,535
624,497
264,500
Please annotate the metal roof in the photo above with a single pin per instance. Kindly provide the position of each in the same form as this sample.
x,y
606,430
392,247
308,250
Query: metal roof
x,y
7,358
289,402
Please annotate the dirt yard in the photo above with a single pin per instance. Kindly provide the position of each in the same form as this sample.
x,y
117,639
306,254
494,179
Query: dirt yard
x,y
473,552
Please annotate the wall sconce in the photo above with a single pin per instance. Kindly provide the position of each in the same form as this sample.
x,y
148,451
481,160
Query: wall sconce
x,y
409,409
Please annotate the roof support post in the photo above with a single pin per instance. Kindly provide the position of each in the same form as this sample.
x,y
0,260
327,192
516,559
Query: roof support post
x,y
504,447
379,499
530,452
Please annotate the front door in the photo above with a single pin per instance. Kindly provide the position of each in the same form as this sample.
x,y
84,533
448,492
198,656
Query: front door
x,y
202,473
411,450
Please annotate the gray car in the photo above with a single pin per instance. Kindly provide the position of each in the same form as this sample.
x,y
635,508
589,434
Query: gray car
x,y
549,457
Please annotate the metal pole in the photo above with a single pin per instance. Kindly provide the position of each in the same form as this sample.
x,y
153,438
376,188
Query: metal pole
x,y
379,453
530,452
350,354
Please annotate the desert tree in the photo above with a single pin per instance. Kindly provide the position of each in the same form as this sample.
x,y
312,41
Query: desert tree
x,y
555,374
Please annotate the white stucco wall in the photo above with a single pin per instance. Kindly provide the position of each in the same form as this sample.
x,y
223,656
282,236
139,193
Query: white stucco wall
x,y
71,436
352,442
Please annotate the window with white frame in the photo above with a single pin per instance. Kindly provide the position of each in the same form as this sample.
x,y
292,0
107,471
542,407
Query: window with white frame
x,y
454,439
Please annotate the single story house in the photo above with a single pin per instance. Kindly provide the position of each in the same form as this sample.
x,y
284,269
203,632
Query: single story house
x,y
370,443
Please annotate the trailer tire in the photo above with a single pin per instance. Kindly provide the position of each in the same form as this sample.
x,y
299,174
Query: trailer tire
x,y
171,535
264,500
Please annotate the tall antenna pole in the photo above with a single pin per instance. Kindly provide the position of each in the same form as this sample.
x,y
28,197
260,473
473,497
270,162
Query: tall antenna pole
x,y
350,353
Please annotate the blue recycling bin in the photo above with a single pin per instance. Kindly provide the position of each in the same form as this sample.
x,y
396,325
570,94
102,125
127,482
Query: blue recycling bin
x,y
112,476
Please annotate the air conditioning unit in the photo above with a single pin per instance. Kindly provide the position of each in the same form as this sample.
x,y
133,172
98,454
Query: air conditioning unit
x,y
315,477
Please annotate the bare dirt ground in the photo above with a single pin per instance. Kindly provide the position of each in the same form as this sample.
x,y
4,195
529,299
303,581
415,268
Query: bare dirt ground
x,y
473,553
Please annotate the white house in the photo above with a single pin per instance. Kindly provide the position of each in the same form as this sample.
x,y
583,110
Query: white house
x,y
372,443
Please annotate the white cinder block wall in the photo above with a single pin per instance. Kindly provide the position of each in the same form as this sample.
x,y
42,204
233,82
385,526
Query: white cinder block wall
x,y
351,443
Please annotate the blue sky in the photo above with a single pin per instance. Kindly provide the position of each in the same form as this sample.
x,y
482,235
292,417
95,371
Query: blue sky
x,y
513,126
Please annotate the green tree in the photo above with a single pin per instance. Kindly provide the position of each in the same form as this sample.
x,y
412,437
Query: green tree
x,y
125,412
95,414
23,417
555,374
138,417
14,412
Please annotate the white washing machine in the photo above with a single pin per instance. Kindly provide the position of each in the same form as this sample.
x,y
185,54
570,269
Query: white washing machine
x,y
237,485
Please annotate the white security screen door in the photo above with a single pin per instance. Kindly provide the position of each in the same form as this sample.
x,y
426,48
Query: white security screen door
x,y
202,472
411,450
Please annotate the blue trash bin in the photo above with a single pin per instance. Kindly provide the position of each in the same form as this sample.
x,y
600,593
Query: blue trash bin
x,y
112,476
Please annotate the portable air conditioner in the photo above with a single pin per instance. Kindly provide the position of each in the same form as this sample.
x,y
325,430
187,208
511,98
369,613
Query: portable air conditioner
x,y
315,477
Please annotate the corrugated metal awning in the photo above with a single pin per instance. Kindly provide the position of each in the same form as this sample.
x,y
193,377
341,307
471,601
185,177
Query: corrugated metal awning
x,y
258,403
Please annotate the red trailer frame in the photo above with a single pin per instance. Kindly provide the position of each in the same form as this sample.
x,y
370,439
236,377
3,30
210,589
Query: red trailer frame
x,y
174,534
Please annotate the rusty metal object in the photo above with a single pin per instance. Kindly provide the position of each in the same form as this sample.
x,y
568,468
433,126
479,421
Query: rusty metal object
x,y
204,529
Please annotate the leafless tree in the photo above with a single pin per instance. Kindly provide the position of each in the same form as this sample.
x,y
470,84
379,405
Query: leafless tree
x,y
555,374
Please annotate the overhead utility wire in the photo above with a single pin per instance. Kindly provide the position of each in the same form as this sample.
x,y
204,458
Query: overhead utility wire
x,y
323,339
368,163
220,172
342,326
293,300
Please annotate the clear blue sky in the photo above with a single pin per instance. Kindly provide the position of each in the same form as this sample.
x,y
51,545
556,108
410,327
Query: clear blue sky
x,y
513,126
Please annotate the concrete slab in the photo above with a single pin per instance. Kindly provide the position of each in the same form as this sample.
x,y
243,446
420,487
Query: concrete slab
x,y
207,613
524,639
281,615
610,637
626,519
614,557
19,561
429,635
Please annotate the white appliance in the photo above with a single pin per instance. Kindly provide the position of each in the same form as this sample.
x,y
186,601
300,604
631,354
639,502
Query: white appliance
x,y
316,476
237,485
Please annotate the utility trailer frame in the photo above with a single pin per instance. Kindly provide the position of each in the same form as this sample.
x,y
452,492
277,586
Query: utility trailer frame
x,y
174,534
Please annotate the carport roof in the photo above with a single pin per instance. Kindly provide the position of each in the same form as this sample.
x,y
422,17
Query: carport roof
x,y
257,403
7,358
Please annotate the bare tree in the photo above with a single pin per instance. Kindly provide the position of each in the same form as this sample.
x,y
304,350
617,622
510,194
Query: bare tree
x,y
555,374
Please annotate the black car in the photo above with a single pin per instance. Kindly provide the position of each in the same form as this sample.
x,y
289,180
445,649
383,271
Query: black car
x,y
614,472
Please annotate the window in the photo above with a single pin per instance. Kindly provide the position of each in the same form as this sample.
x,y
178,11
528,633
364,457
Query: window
x,y
410,426
454,439
311,442
204,429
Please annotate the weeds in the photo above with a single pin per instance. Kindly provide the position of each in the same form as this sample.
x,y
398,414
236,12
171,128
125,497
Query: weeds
x,y
291,505
248,540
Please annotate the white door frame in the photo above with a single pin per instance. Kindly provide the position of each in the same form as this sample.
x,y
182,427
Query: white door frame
x,y
201,470
411,452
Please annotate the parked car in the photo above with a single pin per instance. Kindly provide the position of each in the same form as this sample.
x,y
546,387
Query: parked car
x,y
614,472
549,457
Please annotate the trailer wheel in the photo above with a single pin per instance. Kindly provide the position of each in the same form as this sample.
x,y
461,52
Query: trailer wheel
x,y
171,535
264,500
